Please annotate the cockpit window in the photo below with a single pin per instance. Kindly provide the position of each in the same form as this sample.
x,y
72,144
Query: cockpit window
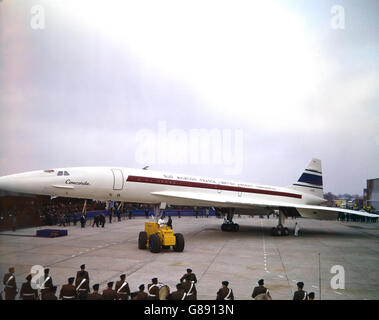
x,y
66,173
60,173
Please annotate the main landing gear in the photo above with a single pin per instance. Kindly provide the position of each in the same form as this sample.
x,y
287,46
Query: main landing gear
x,y
280,230
229,225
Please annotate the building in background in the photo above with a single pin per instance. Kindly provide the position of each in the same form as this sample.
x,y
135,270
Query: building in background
x,y
371,194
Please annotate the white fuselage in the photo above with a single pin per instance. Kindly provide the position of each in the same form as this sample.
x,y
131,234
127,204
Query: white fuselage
x,y
137,185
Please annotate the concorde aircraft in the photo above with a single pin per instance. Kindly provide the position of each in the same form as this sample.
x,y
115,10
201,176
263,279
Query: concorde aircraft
x,y
302,199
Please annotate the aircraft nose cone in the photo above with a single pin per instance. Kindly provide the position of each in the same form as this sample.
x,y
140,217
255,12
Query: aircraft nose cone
x,y
11,183
5,184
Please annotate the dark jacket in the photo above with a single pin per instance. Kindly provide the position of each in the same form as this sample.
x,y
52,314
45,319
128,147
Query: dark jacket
x,y
27,292
225,293
300,295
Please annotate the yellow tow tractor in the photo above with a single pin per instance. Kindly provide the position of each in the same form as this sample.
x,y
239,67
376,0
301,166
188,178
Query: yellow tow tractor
x,y
157,237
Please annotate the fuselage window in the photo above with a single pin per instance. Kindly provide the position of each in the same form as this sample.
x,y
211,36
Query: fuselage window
x,y
60,173
66,173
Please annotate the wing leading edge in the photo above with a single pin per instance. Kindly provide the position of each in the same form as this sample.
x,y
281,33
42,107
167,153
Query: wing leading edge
x,y
306,211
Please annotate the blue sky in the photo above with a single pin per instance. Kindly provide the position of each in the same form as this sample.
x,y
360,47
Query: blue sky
x,y
274,75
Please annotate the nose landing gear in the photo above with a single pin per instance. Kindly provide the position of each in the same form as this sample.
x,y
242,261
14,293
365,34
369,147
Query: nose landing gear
x,y
228,224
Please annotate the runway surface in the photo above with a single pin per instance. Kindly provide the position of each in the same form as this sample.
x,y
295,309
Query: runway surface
x,y
242,258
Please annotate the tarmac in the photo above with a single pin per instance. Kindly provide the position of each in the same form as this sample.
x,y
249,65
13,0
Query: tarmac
x,y
242,258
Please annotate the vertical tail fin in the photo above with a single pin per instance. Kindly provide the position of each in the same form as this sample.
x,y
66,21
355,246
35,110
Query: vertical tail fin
x,y
311,179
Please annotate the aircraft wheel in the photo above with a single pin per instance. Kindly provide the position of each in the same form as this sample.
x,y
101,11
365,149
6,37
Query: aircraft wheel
x,y
142,240
155,243
179,245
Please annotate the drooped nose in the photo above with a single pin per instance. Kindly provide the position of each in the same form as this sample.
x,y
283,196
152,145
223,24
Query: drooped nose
x,y
15,183
8,183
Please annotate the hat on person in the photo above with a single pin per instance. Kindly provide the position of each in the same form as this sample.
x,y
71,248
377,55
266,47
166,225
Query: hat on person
x,y
95,287
110,284
225,283
83,266
71,279
29,277
300,284
141,287
123,276
47,270
189,270
261,282
155,280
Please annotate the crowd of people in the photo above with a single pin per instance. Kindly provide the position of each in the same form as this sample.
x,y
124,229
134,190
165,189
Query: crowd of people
x,y
78,288
62,214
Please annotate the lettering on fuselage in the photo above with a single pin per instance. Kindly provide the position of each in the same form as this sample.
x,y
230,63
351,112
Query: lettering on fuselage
x,y
82,183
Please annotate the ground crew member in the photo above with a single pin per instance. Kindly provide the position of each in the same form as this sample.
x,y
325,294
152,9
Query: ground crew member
x,y
68,291
189,287
192,276
169,222
102,220
27,292
122,288
9,282
82,283
153,289
179,294
96,221
109,293
83,221
161,221
300,294
260,290
50,295
141,294
95,295
47,283
111,215
75,219
225,293
297,229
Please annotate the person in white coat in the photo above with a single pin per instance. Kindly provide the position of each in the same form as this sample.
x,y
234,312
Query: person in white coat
x,y
297,229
